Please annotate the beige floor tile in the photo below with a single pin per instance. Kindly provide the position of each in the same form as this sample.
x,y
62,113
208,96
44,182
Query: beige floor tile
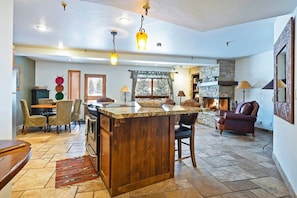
x,y
231,173
262,193
84,195
272,185
240,185
17,194
241,194
93,185
36,163
33,179
208,186
50,193
222,171
105,194
185,193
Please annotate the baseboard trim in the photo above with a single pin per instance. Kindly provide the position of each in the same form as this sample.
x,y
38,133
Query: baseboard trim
x,y
283,175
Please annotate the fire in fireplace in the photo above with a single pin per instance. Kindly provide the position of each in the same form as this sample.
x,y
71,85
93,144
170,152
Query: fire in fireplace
x,y
214,104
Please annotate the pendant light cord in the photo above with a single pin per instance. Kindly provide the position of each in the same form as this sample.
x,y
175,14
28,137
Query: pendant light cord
x,y
141,29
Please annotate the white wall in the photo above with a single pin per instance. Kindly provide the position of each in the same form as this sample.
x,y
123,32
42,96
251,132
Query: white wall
x,y
6,24
258,70
285,134
116,77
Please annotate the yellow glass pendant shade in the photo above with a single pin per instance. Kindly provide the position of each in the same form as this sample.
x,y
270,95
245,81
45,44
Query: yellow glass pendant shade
x,y
141,38
113,58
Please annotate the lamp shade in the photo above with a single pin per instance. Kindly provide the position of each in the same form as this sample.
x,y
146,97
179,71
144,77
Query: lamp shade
x,y
113,58
269,85
181,94
141,38
280,84
244,85
125,89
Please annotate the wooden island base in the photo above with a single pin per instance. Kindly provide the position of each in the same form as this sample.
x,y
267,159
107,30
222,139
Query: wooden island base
x,y
136,144
136,152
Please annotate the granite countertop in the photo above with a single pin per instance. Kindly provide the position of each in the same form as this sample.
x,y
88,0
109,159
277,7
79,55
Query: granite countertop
x,y
134,110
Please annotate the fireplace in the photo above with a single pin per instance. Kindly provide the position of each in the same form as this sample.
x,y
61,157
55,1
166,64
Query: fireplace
x,y
214,103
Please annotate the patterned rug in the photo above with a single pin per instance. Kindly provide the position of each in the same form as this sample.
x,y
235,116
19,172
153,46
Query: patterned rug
x,y
74,170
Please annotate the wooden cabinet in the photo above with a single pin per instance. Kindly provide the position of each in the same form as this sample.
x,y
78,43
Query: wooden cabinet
x,y
135,152
195,88
36,94
105,148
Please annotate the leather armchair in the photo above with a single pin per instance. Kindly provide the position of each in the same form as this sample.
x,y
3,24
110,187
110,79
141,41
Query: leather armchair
x,y
241,120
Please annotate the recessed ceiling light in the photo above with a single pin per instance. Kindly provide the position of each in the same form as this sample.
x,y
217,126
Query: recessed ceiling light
x,y
41,27
124,20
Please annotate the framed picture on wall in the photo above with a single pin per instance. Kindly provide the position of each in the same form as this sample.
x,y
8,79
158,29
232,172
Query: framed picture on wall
x,y
18,70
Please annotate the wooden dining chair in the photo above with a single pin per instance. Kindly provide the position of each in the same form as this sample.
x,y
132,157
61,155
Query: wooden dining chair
x,y
63,115
186,130
31,120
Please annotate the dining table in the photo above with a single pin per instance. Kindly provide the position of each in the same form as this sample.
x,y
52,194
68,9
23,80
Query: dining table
x,y
47,110
43,106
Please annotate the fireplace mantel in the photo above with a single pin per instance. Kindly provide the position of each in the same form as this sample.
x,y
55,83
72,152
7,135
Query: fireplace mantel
x,y
220,82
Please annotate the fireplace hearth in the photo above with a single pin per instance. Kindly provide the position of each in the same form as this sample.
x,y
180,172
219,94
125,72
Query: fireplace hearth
x,y
215,103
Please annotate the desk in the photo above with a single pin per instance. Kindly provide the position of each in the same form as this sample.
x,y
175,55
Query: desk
x,y
14,154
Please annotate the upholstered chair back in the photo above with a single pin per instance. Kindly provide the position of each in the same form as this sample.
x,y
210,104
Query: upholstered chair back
x,y
76,110
25,109
63,115
45,101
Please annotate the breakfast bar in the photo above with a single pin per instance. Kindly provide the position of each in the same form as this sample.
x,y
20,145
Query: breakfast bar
x,y
137,145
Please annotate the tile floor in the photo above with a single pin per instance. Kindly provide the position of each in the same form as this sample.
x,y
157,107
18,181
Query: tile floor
x,y
228,166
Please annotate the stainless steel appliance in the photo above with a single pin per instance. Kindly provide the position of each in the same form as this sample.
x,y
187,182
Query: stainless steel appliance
x,y
93,135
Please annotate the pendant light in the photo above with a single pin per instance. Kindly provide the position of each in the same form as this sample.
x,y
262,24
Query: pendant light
x,y
141,36
113,55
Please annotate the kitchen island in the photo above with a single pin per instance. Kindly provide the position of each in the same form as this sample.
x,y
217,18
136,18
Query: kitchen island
x,y
137,145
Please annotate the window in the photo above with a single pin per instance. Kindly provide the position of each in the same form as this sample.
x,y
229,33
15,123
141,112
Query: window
x,y
151,84
95,86
152,88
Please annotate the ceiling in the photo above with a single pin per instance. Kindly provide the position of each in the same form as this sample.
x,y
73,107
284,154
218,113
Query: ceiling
x,y
191,32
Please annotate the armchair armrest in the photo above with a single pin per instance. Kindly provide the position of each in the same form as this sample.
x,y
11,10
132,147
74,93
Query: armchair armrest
x,y
238,116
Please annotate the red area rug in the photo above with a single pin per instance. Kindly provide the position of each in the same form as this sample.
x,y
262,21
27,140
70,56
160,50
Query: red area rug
x,y
74,170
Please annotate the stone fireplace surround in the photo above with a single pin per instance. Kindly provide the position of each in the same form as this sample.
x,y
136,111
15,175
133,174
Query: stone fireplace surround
x,y
218,94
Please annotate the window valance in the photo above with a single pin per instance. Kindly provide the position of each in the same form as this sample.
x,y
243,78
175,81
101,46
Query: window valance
x,y
151,74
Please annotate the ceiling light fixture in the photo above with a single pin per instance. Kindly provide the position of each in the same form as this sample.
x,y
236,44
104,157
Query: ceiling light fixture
x,y
124,20
64,4
41,27
113,55
141,36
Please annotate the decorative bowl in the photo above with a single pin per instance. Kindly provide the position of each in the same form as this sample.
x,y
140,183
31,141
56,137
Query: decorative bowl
x,y
150,103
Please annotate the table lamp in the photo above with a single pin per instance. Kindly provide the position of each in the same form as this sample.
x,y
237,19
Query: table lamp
x,y
125,90
181,94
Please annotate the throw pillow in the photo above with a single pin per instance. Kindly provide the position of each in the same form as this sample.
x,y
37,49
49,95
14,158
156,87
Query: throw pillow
x,y
246,109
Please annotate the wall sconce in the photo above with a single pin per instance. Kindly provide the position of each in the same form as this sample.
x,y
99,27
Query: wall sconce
x,y
244,85
125,90
181,94
141,36
113,55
